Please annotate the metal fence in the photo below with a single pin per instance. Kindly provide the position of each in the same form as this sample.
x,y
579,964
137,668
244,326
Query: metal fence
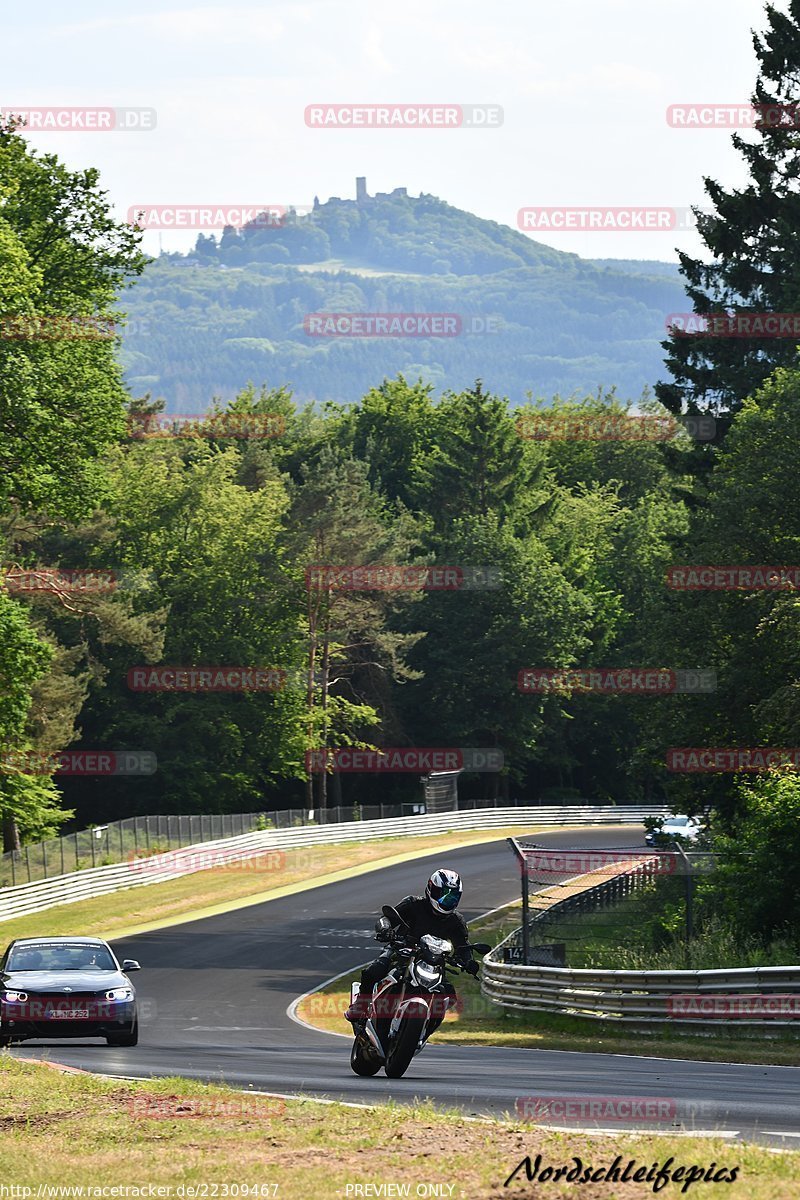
x,y
64,889
565,888
105,844
102,845
760,997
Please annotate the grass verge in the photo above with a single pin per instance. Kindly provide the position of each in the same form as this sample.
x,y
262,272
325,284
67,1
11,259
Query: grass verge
x,y
480,1022
78,1130
187,897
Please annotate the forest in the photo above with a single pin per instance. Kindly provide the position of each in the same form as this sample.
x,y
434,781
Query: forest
x,y
533,320
597,597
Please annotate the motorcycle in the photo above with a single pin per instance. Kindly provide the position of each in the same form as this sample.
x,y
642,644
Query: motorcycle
x,y
408,1003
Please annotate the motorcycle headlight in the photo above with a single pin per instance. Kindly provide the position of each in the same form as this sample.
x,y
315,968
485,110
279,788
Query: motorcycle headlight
x,y
436,946
15,997
123,993
425,973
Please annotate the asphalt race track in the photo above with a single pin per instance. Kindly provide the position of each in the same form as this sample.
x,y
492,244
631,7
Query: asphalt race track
x,y
214,995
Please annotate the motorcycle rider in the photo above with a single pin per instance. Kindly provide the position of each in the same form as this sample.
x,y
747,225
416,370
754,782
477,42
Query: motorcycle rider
x,y
432,913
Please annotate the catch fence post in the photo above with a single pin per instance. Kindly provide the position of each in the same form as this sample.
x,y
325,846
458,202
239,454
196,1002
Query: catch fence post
x,y
526,937
689,932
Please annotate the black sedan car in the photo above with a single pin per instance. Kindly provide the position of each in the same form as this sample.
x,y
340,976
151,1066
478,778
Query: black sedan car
x,y
66,987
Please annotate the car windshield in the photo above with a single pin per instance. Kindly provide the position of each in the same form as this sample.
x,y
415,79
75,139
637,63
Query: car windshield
x,y
64,956
678,821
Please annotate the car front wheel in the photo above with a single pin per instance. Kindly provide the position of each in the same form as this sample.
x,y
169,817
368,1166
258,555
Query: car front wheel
x,y
125,1039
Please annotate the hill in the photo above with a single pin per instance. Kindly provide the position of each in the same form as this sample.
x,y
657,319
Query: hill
x,y
529,318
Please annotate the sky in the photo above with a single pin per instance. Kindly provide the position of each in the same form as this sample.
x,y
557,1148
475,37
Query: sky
x,y
584,89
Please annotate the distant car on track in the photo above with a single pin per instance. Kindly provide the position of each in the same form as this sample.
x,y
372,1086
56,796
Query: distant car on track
x,y
58,987
688,828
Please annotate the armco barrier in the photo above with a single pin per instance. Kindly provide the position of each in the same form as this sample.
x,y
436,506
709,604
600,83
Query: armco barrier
x,y
746,996
99,881
649,997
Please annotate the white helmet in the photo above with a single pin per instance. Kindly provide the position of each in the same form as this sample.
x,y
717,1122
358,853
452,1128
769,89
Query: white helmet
x,y
444,891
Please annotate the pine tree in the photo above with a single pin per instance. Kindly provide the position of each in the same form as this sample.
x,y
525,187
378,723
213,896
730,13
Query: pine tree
x,y
753,236
477,463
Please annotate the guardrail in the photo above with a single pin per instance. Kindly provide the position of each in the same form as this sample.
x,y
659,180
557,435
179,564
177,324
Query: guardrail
x,y
747,996
101,845
98,881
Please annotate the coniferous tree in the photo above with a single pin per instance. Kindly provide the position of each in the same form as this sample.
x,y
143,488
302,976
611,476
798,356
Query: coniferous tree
x,y
753,235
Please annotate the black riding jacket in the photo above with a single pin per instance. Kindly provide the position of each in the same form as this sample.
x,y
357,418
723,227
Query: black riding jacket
x,y
419,915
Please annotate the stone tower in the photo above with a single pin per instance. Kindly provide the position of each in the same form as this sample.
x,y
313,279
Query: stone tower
x,y
361,189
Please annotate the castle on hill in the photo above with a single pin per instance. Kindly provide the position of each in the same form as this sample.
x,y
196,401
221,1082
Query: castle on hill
x,y
363,196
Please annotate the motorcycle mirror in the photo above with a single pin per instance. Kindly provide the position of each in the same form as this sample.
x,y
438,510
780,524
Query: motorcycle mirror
x,y
392,915
481,947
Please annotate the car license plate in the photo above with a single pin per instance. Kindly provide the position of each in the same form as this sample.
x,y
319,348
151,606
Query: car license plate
x,y
73,1014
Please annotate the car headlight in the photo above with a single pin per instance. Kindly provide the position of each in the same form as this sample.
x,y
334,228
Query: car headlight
x,y
15,997
123,993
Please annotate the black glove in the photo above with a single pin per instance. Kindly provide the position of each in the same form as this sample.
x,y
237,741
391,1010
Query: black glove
x,y
383,930
472,967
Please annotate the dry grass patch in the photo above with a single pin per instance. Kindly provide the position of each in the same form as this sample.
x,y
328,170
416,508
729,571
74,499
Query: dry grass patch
x,y
77,1129
123,911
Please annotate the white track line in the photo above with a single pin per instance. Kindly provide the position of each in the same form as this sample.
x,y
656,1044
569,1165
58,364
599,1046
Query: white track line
x,y
651,1132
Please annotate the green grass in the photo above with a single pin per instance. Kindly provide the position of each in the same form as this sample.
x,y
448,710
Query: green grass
x,y
646,931
79,1130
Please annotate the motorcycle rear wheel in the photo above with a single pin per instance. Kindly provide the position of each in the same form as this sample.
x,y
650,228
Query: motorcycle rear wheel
x,y
404,1047
363,1058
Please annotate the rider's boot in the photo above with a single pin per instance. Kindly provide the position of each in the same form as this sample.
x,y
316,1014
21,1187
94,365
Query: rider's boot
x,y
359,1009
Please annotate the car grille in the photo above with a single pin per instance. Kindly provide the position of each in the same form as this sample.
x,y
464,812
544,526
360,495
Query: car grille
x,y
40,1007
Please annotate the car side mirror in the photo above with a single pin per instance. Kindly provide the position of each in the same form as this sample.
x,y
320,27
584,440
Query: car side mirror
x,y
130,964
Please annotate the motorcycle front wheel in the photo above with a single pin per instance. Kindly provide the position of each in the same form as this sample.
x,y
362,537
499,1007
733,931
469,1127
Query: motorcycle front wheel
x,y
363,1058
404,1047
